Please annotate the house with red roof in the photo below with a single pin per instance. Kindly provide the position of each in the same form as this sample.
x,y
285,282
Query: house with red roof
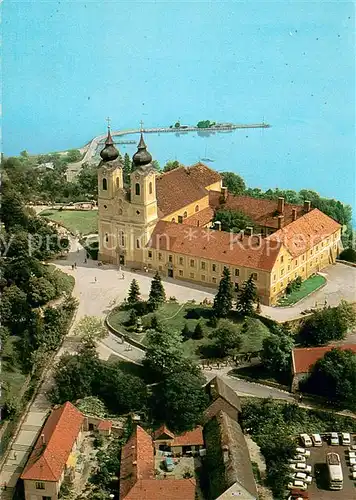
x,y
303,359
138,480
178,444
163,222
53,454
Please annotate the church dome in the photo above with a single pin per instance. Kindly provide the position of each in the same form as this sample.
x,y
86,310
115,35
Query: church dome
x,y
142,156
109,153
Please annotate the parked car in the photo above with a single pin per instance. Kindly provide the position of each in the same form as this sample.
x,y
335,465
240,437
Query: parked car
x,y
334,439
299,475
297,484
353,468
352,447
168,464
317,440
345,439
296,459
303,451
308,480
353,475
352,461
306,440
301,466
352,454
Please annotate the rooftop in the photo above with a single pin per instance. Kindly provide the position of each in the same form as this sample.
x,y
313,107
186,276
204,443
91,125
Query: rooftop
x,y
189,438
218,246
218,388
303,358
53,447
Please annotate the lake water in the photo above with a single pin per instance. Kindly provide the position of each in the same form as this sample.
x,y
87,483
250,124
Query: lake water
x,y
69,64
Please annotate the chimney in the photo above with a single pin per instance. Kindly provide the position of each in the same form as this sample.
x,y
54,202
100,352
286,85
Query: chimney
x,y
249,230
280,221
224,193
280,206
294,213
242,234
217,225
225,450
307,205
43,439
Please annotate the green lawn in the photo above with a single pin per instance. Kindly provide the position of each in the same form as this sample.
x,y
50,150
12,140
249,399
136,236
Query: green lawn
x,y
83,221
174,316
308,286
12,379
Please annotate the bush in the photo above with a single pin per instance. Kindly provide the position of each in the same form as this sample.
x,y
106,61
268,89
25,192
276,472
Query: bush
x,y
142,308
98,441
198,332
349,254
186,333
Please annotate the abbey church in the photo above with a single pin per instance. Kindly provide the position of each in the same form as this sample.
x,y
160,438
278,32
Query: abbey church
x,y
163,222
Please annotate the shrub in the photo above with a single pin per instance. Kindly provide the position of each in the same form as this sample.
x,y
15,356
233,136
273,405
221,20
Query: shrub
x,y
98,441
348,254
198,332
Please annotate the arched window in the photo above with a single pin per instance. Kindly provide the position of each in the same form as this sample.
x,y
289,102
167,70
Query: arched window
x,y
137,189
137,243
106,237
122,238
173,220
197,208
105,184
117,181
120,211
150,189
185,215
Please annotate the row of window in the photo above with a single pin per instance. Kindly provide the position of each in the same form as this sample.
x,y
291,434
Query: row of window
x,y
137,186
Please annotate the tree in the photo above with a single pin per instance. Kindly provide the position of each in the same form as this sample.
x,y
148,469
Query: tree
x,y
179,401
227,339
40,291
334,377
198,332
87,180
132,318
348,254
234,183
246,297
134,293
186,333
73,155
156,324
276,353
233,220
155,165
171,165
90,329
14,308
331,323
92,405
223,299
157,294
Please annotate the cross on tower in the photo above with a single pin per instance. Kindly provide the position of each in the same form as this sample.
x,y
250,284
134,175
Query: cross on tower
x,y
141,123
108,120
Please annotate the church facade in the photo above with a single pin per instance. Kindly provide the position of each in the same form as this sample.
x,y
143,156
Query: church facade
x,y
163,222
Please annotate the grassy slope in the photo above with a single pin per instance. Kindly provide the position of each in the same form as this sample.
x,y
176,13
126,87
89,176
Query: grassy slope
x,y
85,222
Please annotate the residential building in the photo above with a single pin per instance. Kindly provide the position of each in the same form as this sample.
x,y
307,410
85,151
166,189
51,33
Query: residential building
x,y
303,359
52,457
189,442
138,480
222,398
230,470
163,222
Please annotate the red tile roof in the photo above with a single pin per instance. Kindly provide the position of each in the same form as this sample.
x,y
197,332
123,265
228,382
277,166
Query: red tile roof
x,y
104,425
189,438
305,357
137,461
61,429
161,431
306,232
163,489
262,211
183,185
218,246
200,219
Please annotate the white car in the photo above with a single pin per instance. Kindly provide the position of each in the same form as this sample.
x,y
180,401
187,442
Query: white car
x,y
296,459
303,452
297,485
352,454
303,476
301,467
317,440
306,440
334,439
352,461
352,447
353,475
345,439
353,468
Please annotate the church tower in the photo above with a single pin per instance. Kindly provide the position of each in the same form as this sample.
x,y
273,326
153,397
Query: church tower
x,y
110,184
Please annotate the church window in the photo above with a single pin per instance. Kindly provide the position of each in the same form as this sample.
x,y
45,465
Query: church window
x,y
170,258
180,272
181,261
138,212
150,189
192,263
282,259
137,243
137,189
214,268
149,254
159,256
197,208
237,272
106,237
185,215
117,181
105,184
203,265
180,219
122,238
254,276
